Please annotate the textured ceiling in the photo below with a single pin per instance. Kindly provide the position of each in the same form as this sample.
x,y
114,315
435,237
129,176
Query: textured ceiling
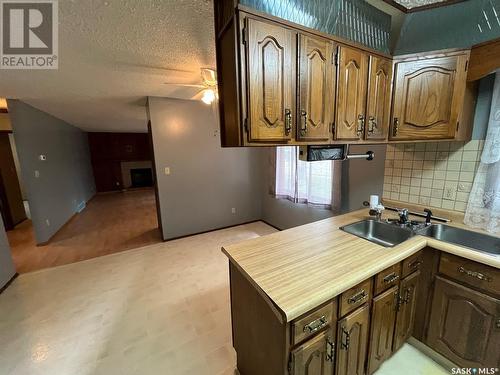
x,y
409,4
115,53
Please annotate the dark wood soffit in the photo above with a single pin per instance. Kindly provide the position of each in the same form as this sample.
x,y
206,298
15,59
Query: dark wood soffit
x,y
423,7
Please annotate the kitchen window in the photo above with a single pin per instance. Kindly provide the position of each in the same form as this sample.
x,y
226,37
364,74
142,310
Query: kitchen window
x,y
303,182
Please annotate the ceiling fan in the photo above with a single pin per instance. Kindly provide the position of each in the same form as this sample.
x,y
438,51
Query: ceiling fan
x,y
207,89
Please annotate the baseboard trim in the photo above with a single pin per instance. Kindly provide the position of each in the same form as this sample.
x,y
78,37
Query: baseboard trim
x,y
432,354
214,230
66,223
2,289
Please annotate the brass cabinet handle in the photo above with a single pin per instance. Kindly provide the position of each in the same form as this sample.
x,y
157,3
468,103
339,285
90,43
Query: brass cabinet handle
x,y
330,350
415,264
406,300
390,278
395,127
477,275
288,121
361,125
345,340
361,295
303,128
497,323
315,325
372,125
397,300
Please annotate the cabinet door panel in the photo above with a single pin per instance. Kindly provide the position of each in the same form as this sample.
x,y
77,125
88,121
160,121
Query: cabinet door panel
x,y
406,309
270,81
352,342
379,98
465,325
428,96
314,356
352,82
316,88
382,328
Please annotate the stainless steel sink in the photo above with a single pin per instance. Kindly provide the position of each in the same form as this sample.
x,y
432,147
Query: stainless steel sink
x,y
381,233
463,237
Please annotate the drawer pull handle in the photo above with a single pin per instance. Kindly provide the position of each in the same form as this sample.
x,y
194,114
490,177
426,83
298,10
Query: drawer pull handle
x,y
414,264
390,278
345,340
316,325
361,295
330,350
477,275
497,323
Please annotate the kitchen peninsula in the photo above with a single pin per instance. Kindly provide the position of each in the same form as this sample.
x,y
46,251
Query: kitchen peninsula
x,y
317,300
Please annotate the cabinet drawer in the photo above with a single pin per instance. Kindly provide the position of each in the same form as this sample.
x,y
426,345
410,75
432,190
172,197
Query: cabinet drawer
x,y
387,278
469,272
355,297
313,322
412,264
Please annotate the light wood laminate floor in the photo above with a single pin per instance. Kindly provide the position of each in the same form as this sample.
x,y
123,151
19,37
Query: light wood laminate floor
x,y
158,310
111,223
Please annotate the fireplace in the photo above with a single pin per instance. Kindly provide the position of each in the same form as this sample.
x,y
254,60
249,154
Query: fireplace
x,y
141,177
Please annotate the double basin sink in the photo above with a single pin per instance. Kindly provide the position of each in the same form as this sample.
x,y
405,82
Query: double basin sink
x,y
388,235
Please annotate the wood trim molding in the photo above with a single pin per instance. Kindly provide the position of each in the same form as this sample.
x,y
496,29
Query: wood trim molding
x,y
484,59
2,289
4,110
423,7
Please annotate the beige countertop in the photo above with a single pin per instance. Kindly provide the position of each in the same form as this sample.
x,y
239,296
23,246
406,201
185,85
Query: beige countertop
x,y
300,268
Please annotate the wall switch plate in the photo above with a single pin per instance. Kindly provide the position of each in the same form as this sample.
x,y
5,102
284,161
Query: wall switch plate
x,y
167,171
37,174
47,221
233,210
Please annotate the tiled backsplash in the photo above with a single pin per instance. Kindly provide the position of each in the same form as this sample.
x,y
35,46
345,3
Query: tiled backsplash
x,y
435,174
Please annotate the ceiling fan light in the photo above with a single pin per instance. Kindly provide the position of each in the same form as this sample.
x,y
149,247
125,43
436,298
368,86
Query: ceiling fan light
x,y
208,96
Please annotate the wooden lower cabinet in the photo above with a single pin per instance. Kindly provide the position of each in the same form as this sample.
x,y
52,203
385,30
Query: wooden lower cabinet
x,y
314,356
407,306
382,328
465,325
352,339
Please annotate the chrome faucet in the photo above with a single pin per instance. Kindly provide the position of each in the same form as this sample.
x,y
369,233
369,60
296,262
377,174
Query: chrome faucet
x,y
403,216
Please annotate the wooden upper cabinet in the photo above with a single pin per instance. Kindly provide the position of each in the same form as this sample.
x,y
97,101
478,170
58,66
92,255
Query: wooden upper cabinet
x,y
352,342
428,96
465,325
407,306
382,328
316,85
270,81
314,356
351,93
378,105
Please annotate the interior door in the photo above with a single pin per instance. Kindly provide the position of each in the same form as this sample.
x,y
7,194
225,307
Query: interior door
x,y
378,105
465,325
270,81
316,88
351,96
352,342
406,309
382,328
428,95
315,356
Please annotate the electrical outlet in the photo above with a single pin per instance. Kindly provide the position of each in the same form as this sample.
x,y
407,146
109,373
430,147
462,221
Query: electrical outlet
x,y
450,193
233,210
167,171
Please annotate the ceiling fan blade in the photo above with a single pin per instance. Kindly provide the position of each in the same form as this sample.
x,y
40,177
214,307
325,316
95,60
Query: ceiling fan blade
x,y
184,85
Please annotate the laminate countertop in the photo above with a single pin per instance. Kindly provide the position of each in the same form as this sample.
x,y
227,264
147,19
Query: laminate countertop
x,y
298,269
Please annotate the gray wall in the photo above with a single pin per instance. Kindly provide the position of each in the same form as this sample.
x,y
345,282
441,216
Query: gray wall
x,y
483,107
360,179
205,181
66,179
7,269
452,26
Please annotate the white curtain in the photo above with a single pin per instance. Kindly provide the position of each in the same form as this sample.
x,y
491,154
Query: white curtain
x,y
303,182
483,209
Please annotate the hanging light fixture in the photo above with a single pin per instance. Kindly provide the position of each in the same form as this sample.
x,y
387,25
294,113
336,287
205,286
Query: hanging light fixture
x,y
208,96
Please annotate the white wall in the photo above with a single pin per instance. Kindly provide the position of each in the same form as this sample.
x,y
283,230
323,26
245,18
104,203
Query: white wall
x,y
206,181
